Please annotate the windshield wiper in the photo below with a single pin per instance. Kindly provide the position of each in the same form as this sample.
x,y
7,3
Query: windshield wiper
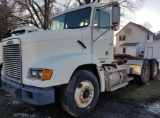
x,y
73,27
70,27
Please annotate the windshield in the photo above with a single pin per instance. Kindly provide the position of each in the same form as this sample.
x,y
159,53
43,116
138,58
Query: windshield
x,y
75,19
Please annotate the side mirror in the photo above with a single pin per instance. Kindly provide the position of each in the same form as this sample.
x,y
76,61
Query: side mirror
x,y
115,14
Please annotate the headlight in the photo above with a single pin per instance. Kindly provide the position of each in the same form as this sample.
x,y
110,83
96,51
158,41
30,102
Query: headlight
x,y
33,73
42,74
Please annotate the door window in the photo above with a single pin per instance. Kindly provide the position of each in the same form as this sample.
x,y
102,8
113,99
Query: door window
x,y
102,19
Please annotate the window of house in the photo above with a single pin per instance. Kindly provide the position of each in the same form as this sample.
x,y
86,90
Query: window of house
x,y
124,50
122,38
147,36
102,19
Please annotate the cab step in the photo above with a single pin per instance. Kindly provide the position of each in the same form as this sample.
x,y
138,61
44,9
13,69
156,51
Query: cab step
x,y
118,86
130,79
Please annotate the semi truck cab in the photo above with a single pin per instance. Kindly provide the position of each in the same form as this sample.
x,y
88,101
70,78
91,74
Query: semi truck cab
x,y
74,56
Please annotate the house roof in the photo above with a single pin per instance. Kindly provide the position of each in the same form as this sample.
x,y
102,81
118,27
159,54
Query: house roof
x,y
143,28
140,27
129,44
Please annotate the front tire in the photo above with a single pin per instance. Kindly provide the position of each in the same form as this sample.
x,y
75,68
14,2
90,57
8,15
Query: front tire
x,y
80,96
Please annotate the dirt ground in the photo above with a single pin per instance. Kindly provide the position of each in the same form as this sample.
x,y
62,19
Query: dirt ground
x,y
134,101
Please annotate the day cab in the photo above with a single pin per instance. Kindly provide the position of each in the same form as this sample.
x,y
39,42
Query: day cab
x,y
74,56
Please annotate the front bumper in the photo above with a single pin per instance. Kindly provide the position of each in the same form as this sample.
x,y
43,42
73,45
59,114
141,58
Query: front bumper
x,y
28,94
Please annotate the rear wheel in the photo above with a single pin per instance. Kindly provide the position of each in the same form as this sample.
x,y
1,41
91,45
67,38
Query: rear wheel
x,y
0,76
154,69
145,73
81,94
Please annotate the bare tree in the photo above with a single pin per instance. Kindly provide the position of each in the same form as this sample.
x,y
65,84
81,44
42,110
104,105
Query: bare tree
x,y
147,25
39,12
8,22
126,5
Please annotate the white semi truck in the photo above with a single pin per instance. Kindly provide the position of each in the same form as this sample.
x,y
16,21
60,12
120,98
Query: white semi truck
x,y
75,56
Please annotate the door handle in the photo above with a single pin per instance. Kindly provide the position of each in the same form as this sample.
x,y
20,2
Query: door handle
x,y
82,44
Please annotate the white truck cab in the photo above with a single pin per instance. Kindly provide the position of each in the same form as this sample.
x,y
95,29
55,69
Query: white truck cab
x,y
74,56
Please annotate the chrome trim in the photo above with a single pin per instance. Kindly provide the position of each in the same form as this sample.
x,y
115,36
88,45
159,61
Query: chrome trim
x,y
11,42
12,59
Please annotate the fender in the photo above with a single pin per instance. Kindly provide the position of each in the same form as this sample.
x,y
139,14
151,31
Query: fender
x,y
63,67
136,66
101,73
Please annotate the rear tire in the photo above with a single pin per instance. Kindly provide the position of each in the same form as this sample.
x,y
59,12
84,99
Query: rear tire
x,y
0,76
80,96
145,73
154,69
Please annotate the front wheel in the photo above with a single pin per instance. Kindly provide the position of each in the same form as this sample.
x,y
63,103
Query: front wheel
x,y
81,94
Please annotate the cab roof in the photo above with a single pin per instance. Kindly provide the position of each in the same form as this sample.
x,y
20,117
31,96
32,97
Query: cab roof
x,y
81,7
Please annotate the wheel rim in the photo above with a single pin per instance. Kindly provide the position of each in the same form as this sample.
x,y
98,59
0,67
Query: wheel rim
x,y
84,94
155,69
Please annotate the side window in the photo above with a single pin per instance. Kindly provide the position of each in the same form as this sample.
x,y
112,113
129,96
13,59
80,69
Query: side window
x,y
124,50
96,21
147,36
58,22
102,19
122,38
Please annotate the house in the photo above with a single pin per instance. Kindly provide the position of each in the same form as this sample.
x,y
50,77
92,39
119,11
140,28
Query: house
x,y
132,39
158,35
152,49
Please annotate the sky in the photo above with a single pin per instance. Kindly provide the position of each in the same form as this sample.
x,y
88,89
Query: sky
x,y
149,13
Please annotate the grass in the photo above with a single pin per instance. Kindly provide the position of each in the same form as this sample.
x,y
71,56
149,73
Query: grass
x,y
139,92
135,92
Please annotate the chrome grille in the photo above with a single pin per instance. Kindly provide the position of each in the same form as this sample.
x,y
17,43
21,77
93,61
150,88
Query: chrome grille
x,y
12,61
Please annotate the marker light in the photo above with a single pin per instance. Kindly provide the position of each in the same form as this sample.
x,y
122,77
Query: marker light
x,y
47,74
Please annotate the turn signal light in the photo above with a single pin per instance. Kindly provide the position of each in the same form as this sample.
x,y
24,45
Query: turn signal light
x,y
47,74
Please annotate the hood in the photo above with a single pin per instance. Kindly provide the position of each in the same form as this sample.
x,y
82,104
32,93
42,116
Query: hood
x,y
46,35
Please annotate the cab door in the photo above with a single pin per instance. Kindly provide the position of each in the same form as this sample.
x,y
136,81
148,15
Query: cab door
x,y
102,35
